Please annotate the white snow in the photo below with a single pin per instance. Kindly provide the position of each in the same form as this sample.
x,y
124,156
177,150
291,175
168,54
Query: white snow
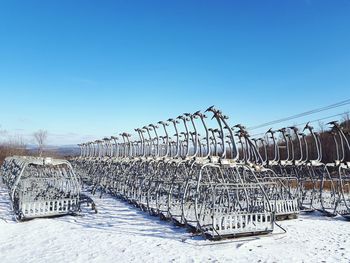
x,y
122,233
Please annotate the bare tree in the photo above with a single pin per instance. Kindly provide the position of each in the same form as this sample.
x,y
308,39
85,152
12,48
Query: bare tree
x,y
321,126
346,121
40,137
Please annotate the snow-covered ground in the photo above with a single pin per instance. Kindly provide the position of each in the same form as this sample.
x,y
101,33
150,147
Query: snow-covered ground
x,y
122,233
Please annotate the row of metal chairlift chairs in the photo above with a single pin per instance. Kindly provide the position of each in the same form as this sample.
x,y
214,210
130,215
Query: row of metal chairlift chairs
x,y
322,186
223,183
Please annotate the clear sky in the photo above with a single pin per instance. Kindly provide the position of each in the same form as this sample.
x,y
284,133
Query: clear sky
x,y
86,69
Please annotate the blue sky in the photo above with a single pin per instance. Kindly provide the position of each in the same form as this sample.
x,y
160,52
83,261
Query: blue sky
x,y
86,69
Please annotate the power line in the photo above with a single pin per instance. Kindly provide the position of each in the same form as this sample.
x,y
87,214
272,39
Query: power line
x,y
306,113
320,119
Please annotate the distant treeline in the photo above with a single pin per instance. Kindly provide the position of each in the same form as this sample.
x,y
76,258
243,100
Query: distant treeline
x,y
17,147
12,147
329,153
